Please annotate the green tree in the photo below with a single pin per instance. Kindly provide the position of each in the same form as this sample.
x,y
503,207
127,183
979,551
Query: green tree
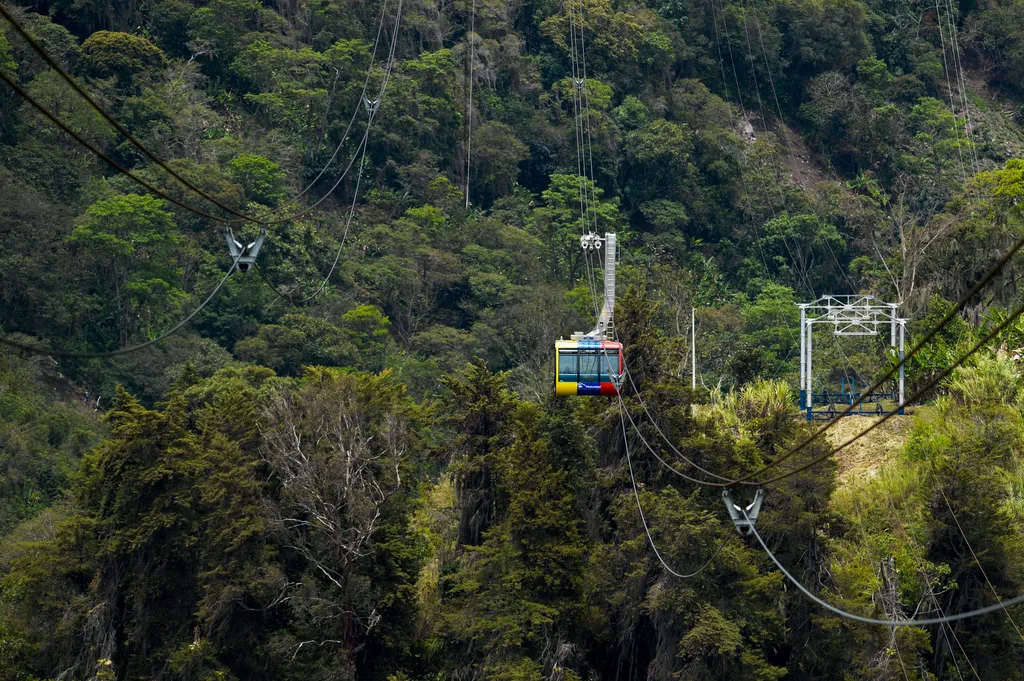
x,y
121,55
131,250
262,179
560,222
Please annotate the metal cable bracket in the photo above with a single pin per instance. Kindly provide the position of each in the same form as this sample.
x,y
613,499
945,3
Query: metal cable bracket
x,y
743,518
245,255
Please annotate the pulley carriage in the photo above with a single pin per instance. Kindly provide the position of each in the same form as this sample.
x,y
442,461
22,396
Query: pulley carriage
x,y
591,363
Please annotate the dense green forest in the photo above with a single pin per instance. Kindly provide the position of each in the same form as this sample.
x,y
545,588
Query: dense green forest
x,y
351,465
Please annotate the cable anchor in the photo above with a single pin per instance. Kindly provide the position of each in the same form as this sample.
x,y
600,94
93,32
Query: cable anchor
x,y
245,255
744,518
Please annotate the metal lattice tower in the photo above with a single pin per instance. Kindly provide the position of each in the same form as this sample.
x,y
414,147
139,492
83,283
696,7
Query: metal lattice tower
x,y
850,315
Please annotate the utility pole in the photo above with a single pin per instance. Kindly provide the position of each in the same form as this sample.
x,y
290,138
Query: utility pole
x,y
803,355
903,326
693,348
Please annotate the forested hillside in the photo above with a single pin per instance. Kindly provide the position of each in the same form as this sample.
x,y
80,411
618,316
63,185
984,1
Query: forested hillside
x,y
350,463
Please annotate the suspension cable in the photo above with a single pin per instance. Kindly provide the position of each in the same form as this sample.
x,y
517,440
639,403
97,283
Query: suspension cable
x,y
469,108
107,159
949,87
666,464
643,519
949,507
110,119
871,620
355,193
739,161
241,217
931,383
351,120
654,423
577,121
946,629
962,80
588,147
40,350
991,274
344,236
121,129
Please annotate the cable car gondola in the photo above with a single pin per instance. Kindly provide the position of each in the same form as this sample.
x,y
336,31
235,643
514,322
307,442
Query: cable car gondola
x,y
587,367
591,363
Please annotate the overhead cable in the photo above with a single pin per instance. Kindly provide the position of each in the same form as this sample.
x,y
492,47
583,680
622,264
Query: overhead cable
x,y
241,217
92,148
469,108
928,385
931,383
355,112
364,144
588,141
949,87
643,519
666,464
871,620
40,350
110,119
960,304
657,428
949,507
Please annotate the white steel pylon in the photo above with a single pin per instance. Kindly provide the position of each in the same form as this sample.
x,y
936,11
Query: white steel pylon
x,y
857,315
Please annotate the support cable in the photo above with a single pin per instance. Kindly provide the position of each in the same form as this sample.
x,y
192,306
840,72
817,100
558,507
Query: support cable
x,y
636,390
801,270
588,147
110,119
743,177
931,383
949,86
341,246
107,159
40,350
962,84
984,574
946,629
764,122
241,217
989,276
577,121
666,464
351,120
871,620
355,193
643,519
675,450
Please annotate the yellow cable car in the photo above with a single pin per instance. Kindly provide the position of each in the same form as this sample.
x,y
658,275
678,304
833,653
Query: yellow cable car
x,y
591,363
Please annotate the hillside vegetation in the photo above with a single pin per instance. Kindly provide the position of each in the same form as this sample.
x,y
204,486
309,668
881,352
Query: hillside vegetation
x,y
350,464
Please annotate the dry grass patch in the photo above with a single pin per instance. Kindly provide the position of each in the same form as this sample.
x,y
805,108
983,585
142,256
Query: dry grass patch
x,y
868,454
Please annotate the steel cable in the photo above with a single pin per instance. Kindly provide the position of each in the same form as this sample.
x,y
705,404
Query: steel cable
x,y
871,620
40,350
241,217
643,519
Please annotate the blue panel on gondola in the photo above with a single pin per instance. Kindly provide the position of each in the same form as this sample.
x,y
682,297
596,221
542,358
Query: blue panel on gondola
x,y
588,388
